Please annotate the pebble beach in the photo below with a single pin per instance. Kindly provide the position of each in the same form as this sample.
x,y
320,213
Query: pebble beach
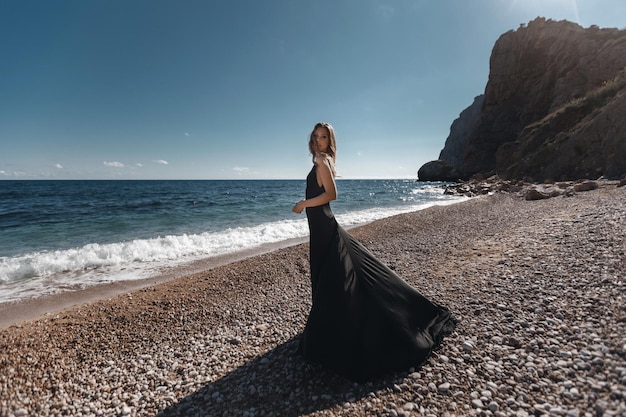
x,y
538,289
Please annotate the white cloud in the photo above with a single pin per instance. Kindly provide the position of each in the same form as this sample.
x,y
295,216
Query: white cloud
x,y
58,166
186,134
241,169
160,161
139,164
114,164
13,174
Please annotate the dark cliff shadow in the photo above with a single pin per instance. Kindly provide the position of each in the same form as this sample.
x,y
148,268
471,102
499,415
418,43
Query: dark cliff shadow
x,y
278,383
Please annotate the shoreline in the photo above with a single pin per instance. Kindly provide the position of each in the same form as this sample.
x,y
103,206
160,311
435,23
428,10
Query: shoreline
x,y
537,287
32,308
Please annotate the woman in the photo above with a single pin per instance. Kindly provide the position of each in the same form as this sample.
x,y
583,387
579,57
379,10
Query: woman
x,y
365,320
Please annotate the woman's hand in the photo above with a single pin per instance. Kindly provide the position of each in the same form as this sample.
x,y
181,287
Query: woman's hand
x,y
298,207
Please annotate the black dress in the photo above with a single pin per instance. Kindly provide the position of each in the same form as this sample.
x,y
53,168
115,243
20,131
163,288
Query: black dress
x,y
365,321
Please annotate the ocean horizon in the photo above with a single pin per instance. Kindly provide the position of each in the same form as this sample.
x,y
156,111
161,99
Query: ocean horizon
x,y
59,235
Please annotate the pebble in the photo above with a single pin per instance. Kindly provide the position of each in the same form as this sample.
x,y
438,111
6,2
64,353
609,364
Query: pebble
x,y
493,406
476,403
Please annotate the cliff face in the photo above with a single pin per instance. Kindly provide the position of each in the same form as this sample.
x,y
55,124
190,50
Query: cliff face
x,y
586,138
546,100
461,129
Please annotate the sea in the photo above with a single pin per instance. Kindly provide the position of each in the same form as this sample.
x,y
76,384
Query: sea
x,y
66,235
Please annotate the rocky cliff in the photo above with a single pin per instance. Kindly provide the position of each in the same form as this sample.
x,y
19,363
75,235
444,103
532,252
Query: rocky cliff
x,y
553,107
460,131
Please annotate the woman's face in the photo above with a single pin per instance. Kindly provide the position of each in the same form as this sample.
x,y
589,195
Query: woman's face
x,y
321,139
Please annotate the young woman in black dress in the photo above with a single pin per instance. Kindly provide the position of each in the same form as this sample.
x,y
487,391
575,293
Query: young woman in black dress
x,y
365,321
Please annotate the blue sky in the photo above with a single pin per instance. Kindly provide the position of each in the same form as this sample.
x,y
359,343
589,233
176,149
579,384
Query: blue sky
x,y
129,89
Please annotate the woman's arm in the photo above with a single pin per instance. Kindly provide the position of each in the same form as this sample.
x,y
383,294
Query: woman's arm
x,y
325,176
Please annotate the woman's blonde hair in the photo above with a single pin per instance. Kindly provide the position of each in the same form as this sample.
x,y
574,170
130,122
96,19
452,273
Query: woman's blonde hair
x,y
332,144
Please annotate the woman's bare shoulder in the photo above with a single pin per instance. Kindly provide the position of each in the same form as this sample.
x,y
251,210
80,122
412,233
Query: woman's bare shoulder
x,y
321,158
325,163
